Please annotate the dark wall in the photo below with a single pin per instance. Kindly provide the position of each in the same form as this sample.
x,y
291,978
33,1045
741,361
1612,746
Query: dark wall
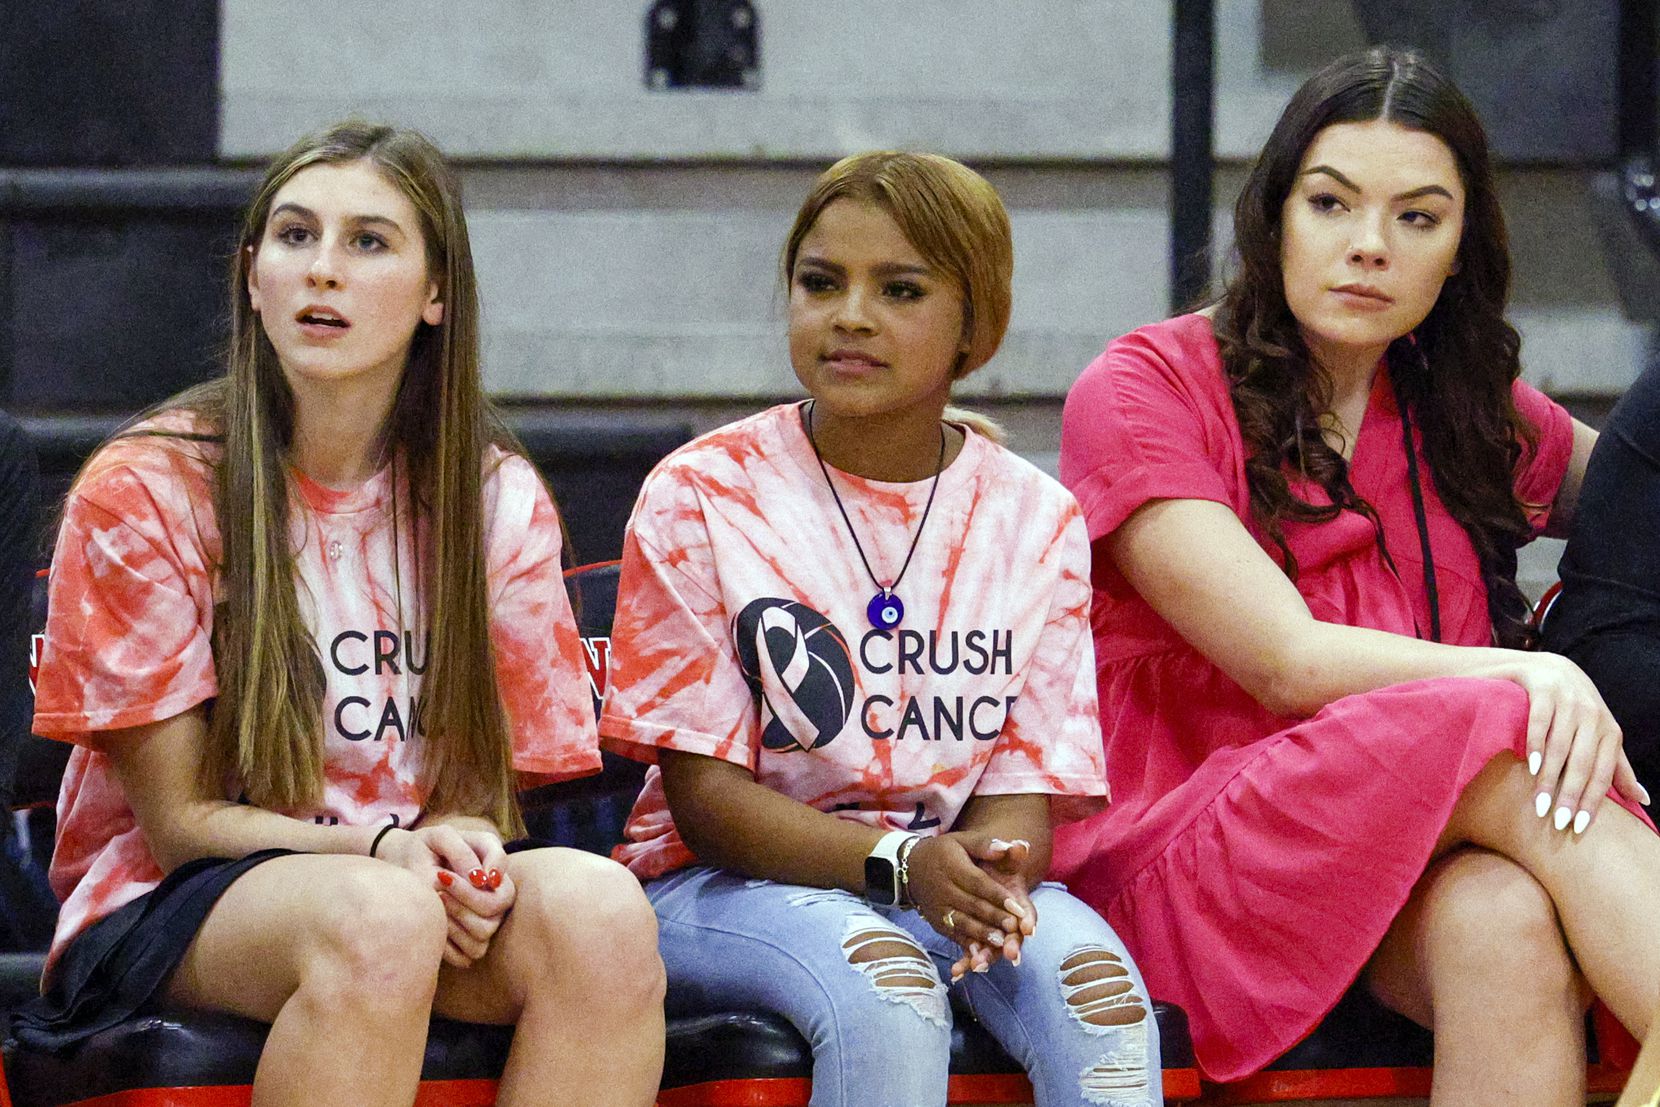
x,y
113,283
1541,72
114,223
109,82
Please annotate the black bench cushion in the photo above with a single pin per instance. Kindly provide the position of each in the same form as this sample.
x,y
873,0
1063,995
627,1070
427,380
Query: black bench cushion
x,y
178,1049
1361,1033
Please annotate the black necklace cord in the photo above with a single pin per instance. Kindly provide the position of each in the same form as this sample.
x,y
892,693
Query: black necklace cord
x,y
939,467
1418,512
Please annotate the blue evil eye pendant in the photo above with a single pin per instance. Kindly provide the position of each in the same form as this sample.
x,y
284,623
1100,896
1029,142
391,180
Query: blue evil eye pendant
x,y
884,610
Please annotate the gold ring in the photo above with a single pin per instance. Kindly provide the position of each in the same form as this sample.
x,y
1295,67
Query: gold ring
x,y
950,919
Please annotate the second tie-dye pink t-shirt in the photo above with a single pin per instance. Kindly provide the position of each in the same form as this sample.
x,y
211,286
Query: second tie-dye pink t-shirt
x,y
131,621
741,633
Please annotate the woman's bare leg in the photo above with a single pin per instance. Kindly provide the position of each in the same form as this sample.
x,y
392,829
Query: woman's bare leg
x,y
340,955
1477,956
575,967
1605,883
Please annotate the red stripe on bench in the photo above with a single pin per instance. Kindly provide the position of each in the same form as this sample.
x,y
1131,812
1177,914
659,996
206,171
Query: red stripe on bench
x,y
433,1093
219,1095
1295,1084
1180,1085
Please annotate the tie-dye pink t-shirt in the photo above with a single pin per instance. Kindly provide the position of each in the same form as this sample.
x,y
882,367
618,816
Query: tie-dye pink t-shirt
x,y
131,621
741,633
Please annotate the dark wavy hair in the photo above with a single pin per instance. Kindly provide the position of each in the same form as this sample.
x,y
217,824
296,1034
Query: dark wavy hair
x,y
1453,374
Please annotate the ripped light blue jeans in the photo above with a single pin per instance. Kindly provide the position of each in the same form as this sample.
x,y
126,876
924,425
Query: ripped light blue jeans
x,y
863,986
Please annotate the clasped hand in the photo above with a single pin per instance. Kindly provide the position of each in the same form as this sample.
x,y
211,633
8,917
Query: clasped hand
x,y
469,870
972,888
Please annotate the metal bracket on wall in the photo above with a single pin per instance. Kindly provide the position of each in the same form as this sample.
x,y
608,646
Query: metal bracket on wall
x,y
695,44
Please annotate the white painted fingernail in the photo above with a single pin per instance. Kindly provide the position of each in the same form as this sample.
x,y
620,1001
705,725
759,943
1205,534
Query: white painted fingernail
x,y
983,966
1563,818
1534,760
1644,791
1581,821
1015,960
995,938
1021,842
1541,804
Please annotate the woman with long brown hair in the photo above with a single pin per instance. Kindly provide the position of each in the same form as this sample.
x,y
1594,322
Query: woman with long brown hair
x,y
1334,755
307,627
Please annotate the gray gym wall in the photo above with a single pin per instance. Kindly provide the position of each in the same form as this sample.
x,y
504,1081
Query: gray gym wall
x,y
626,239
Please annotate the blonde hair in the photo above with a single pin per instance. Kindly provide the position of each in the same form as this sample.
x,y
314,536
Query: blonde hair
x,y
955,220
266,727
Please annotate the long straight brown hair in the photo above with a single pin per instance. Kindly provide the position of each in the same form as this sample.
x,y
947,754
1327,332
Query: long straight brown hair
x,y
1454,372
266,727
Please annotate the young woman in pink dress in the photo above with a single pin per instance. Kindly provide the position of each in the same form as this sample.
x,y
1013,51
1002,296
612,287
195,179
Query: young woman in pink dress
x,y
1333,757
307,626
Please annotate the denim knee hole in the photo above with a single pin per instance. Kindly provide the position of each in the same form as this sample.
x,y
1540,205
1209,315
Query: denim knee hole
x,y
1100,995
896,966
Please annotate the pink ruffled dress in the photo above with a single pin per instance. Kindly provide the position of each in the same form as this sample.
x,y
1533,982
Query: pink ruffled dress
x,y
1252,863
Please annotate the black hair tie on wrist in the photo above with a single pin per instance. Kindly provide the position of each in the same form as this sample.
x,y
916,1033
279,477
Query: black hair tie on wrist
x,y
384,831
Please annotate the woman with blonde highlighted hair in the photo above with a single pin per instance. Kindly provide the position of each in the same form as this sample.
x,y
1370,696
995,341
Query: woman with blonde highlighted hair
x,y
307,631
852,632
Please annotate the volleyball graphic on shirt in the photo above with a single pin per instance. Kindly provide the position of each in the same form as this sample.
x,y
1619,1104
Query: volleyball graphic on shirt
x,y
799,669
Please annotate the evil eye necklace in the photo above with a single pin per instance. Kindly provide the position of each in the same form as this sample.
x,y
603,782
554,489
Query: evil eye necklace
x,y
885,609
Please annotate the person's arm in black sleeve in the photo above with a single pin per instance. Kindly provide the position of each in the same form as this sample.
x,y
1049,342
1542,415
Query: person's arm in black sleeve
x,y
19,515
1607,618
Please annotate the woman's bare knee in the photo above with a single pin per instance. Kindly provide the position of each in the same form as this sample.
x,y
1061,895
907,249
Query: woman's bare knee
x,y
582,921
1477,925
1489,911
346,929
377,940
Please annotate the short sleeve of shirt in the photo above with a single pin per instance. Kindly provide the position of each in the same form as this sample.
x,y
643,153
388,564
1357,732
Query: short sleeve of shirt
x,y
129,624
674,682
1539,473
539,664
1051,740
1135,428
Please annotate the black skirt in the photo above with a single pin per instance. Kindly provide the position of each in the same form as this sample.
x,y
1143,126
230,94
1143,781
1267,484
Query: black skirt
x,y
119,965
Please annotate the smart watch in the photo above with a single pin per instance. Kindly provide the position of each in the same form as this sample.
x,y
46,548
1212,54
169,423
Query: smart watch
x,y
883,884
